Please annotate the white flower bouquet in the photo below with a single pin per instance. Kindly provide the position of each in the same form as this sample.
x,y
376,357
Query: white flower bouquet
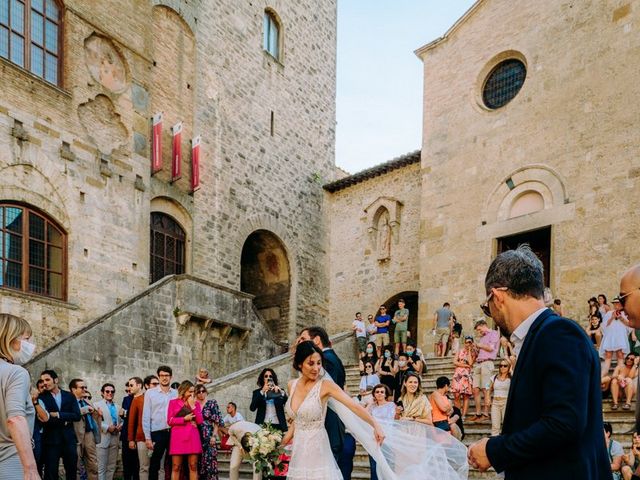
x,y
265,450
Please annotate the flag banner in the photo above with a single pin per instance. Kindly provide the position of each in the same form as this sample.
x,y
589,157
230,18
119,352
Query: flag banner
x,y
176,152
156,143
195,164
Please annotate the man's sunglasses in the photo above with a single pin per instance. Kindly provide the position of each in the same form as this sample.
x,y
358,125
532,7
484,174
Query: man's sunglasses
x,y
623,296
485,306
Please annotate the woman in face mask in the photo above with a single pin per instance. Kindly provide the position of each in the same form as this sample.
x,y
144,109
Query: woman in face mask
x,y
384,368
17,460
413,359
368,356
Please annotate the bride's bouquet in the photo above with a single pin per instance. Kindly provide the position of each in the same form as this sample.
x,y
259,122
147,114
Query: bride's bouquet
x,y
265,450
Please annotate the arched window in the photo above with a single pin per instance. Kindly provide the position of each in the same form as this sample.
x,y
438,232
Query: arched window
x,y
271,35
33,252
30,36
167,246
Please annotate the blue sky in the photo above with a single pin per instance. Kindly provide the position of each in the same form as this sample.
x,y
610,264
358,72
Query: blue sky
x,y
379,96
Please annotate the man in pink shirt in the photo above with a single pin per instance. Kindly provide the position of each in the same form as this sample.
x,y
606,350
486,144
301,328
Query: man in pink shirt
x,y
483,370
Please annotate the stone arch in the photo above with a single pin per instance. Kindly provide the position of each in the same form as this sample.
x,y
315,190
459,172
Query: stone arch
x,y
536,179
411,302
176,211
265,273
186,14
18,184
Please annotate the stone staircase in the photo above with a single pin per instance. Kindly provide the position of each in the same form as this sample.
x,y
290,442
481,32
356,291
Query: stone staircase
x,y
621,420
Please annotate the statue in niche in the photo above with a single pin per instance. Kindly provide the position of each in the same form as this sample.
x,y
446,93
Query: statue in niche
x,y
384,236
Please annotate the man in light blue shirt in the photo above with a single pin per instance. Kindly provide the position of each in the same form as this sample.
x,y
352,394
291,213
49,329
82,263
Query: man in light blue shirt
x,y
154,419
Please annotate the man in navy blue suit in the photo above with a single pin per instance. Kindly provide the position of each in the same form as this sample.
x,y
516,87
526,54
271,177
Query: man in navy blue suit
x,y
58,436
553,426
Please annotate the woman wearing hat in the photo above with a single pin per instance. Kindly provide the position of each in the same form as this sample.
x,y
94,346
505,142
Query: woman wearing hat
x,y
615,333
462,381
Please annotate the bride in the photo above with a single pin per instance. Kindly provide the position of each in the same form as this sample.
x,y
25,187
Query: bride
x,y
431,455
311,457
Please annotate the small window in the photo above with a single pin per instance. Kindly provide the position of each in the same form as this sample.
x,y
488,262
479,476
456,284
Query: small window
x,y
167,247
503,83
32,252
271,35
30,36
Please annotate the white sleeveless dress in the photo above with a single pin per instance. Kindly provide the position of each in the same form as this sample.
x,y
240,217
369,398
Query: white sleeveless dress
x,y
311,458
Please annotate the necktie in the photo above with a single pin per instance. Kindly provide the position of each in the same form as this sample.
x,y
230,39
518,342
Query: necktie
x,y
114,414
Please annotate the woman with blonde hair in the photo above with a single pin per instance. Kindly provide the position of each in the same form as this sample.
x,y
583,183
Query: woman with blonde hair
x,y
183,416
16,406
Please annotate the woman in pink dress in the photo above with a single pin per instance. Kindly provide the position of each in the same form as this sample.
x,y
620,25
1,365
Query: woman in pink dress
x,y
184,416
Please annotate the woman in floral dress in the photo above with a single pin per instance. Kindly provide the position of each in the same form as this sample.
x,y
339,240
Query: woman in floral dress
x,y
208,463
462,381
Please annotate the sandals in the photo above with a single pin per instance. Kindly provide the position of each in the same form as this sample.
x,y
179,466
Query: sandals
x,y
626,406
614,406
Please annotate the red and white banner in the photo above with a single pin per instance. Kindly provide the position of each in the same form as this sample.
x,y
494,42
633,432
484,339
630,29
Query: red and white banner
x,y
156,143
195,164
176,152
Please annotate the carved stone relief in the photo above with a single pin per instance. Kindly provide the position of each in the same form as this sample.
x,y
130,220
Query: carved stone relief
x,y
102,123
105,64
383,226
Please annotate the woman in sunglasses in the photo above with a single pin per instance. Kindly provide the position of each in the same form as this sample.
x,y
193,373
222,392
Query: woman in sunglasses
x,y
500,390
462,381
211,421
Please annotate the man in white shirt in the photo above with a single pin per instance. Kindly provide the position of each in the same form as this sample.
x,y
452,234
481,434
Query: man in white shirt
x,y
232,415
154,419
361,333
238,432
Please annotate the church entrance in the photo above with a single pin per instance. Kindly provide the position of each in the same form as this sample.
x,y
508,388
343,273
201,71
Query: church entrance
x,y
538,240
411,302
265,273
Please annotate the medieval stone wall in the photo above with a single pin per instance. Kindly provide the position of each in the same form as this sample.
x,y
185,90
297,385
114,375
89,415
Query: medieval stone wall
x,y
370,265
79,151
568,135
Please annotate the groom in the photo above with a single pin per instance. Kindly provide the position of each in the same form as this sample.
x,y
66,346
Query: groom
x,y
333,366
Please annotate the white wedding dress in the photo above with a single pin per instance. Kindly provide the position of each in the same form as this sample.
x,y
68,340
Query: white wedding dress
x,y
311,458
410,451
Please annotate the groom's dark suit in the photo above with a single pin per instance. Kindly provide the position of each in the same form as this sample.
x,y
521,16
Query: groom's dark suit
x,y
553,421
335,428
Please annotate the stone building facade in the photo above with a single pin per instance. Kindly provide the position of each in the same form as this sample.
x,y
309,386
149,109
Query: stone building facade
x,y
75,148
375,222
557,166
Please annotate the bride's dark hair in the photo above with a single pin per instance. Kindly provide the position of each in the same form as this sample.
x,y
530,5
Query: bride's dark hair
x,y
303,351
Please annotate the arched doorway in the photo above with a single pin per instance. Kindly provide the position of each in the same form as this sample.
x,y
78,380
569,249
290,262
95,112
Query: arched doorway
x,y
167,247
411,302
265,273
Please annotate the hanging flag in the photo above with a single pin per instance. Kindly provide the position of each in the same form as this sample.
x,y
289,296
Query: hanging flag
x,y
195,164
156,143
176,152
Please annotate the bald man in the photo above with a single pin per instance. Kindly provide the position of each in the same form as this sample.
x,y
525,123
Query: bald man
x,y
630,299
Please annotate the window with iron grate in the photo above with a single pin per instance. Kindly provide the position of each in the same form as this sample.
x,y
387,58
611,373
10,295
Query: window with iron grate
x,y
503,83
167,247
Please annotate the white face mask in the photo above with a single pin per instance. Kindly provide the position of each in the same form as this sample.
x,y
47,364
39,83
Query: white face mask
x,y
401,363
25,353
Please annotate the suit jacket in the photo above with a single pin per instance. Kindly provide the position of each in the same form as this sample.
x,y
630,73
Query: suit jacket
x,y
553,420
107,438
60,429
335,428
259,403
80,427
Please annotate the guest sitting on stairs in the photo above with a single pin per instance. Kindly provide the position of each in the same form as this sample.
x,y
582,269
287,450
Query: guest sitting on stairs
x,y
624,378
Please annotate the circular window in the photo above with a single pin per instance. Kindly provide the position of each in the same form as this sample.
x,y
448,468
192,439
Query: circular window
x,y
503,83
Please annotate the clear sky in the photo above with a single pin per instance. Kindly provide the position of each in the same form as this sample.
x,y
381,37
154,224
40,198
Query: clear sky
x,y
379,98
